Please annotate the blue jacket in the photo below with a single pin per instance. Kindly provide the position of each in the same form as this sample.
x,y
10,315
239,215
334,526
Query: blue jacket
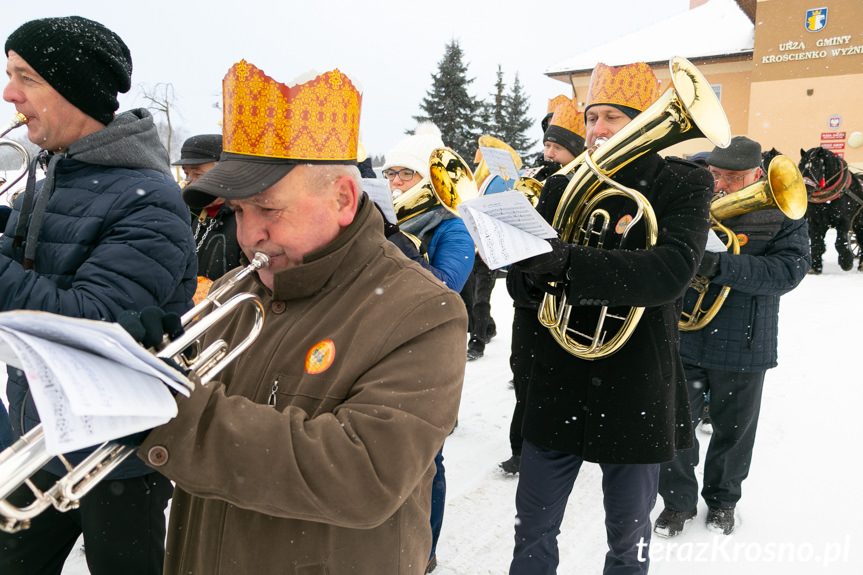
x,y
109,239
772,261
451,253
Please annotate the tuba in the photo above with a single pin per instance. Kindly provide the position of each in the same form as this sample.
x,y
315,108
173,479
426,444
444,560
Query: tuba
x,y
482,171
782,189
28,455
448,184
689,109
6,183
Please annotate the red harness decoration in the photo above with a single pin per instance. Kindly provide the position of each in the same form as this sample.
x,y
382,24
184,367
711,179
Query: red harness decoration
x,y
829,193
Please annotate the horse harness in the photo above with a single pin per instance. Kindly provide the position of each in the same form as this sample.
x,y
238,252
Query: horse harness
x,y
841,181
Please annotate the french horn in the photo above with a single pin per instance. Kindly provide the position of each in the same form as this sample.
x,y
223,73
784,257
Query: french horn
x,y
689,109
782,189
29,454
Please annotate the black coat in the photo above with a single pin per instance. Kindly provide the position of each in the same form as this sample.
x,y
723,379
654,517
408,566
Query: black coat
x,y
632,406
773,260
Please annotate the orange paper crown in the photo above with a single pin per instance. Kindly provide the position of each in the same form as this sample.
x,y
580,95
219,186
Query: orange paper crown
x,y
633,85
315,121
567,116
553,102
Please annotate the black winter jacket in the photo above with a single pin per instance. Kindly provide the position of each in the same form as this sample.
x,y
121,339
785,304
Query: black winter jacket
x,y
115,236
773,260
216,243
632,406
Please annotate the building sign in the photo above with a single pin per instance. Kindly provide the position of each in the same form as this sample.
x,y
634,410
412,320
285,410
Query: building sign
x,y
833,145
834,122
816,19
832,135
793,50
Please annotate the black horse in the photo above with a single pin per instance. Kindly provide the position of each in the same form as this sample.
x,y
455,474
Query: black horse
x,y
835,201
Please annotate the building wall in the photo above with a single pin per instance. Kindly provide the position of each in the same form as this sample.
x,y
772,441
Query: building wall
x,y
807,85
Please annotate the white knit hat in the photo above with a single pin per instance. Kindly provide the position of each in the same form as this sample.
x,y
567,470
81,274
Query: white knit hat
x,y
414,151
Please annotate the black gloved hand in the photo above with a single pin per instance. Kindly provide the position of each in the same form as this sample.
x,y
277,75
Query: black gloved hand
x,y
709,266
150,325
553,264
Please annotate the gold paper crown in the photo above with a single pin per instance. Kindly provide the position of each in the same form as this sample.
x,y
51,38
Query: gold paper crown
x,y
633,85
567,116
315,121
553,102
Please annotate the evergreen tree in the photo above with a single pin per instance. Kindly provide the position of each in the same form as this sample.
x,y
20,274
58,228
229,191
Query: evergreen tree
x,y
518,122
497,108
449,105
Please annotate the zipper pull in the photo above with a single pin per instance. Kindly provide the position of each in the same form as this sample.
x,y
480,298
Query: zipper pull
x,y
272,400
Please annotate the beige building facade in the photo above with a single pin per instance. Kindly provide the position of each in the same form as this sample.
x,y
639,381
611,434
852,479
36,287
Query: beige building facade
x,y
800,86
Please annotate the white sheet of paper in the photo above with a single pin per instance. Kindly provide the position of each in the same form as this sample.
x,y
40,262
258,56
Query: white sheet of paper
x,y
714,244
500,163
108,340
505,228
379,192
66,390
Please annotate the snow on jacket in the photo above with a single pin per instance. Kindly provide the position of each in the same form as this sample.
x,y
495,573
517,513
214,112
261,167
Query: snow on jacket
x,y
113,236
314,454
773,260
632,406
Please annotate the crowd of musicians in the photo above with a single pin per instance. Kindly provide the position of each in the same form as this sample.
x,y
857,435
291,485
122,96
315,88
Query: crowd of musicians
x,y
320,448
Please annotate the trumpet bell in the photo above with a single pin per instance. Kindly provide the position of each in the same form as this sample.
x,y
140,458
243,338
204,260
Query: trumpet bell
x,y
8,181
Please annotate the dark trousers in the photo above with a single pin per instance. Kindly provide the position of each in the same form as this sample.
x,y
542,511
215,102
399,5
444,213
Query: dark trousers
x,y
7,437
476,295
545,481
735,402
524,326
123,522
438,500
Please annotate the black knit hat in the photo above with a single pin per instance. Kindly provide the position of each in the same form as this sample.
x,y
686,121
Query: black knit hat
x,y
201,149
573,143
81,59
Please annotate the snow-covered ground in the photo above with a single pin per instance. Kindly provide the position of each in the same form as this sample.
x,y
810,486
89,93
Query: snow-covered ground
x,y
800,513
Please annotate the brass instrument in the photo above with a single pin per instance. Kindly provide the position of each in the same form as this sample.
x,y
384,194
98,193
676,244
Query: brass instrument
x,y
6,184
782,189
28,455
448,184
482,171
689,109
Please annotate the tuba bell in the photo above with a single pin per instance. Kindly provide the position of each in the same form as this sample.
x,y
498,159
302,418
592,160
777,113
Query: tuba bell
x,y
448,184
29,454
6,183
689,109
782,189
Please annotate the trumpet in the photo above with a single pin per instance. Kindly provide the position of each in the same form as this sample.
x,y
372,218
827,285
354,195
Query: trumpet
x,y
17,120
783,189
29,454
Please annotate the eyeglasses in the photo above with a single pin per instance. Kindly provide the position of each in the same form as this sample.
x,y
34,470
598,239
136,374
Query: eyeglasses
x,y
731,179
405,174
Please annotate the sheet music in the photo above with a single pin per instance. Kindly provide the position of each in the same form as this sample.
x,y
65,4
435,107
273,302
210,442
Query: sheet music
x,y
90,380
714,244
379,192
505,228
83,399
499,162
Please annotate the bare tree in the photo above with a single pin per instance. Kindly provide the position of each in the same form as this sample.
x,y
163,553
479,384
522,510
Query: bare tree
x,y
160,99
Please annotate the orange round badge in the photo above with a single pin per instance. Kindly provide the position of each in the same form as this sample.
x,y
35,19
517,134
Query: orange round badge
x,y
622,224
320,357
742,239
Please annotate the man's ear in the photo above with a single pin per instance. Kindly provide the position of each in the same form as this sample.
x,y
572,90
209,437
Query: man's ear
x,y
348,196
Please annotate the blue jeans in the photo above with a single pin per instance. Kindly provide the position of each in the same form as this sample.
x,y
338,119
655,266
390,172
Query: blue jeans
x,y
545,481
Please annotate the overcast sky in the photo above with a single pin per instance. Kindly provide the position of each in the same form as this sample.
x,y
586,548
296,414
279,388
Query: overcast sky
x,y
391,47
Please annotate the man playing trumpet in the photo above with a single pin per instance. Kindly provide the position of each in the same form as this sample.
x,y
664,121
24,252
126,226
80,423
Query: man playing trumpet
x,y
314,453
